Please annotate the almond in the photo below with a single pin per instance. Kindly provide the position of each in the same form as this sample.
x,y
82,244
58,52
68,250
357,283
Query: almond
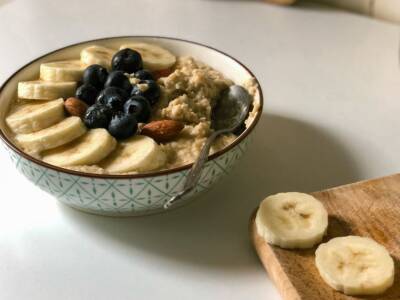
x,y
75,107
162,131
162,73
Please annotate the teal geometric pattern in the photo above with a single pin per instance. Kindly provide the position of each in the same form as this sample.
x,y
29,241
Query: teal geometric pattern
x,y
123,197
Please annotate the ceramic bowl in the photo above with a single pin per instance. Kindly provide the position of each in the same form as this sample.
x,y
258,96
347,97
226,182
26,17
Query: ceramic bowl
x,y
125,195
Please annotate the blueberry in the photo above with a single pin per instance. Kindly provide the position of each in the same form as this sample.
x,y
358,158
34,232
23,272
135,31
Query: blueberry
x,y
95,75
127,60
139,107
144,75
115,103
87,93
119,80
148,89
97,116
122,125
109,93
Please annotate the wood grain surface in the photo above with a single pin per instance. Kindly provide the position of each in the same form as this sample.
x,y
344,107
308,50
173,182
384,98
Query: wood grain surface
x,y
368,208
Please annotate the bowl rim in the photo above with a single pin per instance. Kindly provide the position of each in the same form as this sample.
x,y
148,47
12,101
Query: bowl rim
x,y
215,155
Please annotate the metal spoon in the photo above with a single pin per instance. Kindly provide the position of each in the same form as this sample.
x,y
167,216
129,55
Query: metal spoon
x,y
229,113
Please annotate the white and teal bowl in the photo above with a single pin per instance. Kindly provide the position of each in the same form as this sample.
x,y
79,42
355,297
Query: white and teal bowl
x,y
124,195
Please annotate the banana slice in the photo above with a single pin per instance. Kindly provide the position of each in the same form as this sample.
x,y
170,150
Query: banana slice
x,y
292,220
154,57
59,134
45,90
355,265
89,149
32,116
139,153
67,70
97,55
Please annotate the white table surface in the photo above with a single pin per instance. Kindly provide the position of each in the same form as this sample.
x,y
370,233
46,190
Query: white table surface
x,y
332,102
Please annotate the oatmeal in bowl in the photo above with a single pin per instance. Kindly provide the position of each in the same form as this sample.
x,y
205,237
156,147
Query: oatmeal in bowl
x,y
124,108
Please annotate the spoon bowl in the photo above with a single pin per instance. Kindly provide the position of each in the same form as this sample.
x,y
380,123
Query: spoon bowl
x,y
231,110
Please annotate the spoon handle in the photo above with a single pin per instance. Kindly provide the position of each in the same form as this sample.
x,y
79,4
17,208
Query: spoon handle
x,y
195,171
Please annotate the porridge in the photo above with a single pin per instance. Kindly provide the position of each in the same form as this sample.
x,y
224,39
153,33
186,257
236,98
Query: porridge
x,y
132,110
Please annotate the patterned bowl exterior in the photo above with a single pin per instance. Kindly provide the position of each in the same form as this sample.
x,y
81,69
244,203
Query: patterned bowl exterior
x,y
124,196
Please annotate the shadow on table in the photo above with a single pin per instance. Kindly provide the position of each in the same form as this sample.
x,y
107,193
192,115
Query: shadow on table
x,y
212,232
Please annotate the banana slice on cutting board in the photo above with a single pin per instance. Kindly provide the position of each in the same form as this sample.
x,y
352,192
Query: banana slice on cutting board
x,y
46,90
291,220
33,116
97,55
355,265
57,135
139,153
89,149
154,57
66,70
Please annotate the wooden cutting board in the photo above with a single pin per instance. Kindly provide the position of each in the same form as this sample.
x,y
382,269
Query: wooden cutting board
x,y
368,208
